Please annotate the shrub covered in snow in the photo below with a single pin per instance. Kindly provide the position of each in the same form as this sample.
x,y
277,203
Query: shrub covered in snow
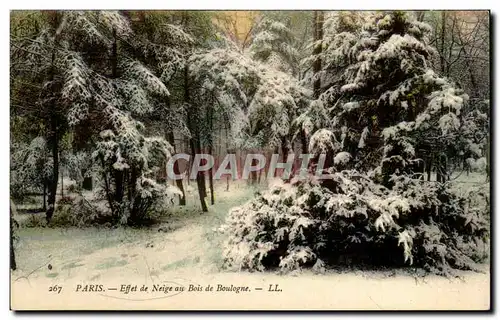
x,y
79,212
351,219
128,162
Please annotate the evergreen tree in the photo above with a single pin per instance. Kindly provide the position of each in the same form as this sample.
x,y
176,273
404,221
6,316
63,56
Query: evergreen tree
x,y
93,75
385,103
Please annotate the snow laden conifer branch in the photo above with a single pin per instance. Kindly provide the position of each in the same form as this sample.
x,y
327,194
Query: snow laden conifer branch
x,y
273,45
267,99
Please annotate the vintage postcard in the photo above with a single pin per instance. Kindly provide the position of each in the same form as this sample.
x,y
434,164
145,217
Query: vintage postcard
x,y
250,160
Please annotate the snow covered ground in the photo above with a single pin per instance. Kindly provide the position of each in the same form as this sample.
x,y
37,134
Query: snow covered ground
x,y
185,252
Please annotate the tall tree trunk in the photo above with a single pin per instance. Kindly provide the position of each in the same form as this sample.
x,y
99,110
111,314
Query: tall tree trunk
x,y
190,162
178,182
441,169
422,170
119,186
303,142
54,142
443,34
438,171
226,129
131,186
445,176
470,69
53,124
211,179
107,189
210,119
253,174
318,36
194,141
199,181
44,195
429,168
62,185
284,149
202,174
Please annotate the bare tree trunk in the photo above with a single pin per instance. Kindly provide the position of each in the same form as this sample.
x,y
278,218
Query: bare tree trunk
x,y
421,169
178,182
284,149
190,162
226,127
54,134
429,169
211,180
199,181
470,68
194,142
202,174
210,146
441,169
443,33
54,141
107,189
318,36
62,185
303,142
253,174
446,174
131,187
44,195
438,173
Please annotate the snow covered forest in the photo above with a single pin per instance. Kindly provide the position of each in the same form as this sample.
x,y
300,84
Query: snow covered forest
x,y
394,105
